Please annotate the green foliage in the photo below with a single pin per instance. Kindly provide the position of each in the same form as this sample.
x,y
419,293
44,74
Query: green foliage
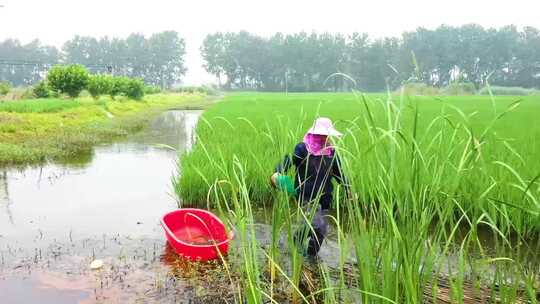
x,y
515,91
70,80
304,61
152,89
5,87
125,86
163,54
118,86
41,90
459,88
99,85
134,89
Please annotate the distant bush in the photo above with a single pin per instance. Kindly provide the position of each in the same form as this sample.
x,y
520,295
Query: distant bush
x,y
415,88
41,90
70,80
125,86
205,89
152,89
5,87
118,86
99,85
459,88
497,90
134,89
210,90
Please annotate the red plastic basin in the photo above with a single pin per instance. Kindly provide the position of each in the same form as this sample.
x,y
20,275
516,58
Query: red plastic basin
x,y
196,234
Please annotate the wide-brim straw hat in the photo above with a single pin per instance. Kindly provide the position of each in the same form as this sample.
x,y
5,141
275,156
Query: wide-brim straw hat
x,y
324,126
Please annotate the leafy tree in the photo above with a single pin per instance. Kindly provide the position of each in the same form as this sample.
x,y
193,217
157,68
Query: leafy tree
x,y
70,80
25,64
158,60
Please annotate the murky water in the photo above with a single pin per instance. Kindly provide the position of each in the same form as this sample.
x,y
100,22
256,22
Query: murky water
x,y
55,219
124,189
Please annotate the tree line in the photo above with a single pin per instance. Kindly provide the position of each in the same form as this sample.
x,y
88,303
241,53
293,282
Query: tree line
x,y
305,61
158,59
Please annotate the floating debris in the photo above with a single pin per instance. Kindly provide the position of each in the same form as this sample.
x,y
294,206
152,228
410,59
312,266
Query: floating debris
x,y
96,264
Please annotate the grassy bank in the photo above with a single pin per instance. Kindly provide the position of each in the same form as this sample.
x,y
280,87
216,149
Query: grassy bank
x,y
430,176
33,131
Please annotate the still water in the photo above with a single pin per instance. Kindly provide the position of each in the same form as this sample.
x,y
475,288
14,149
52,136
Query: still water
x,y
56,218
124,188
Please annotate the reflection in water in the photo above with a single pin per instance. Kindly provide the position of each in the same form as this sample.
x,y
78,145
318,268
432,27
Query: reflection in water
x,y
173,128
4,195
40,290
125,189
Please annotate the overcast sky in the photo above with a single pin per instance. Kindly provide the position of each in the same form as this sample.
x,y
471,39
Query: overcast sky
x,y
55,21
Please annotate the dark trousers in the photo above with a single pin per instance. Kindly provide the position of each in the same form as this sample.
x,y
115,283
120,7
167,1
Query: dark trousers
x,y
315,233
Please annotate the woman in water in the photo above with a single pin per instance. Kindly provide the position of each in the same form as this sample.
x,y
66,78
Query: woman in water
x,y
317,164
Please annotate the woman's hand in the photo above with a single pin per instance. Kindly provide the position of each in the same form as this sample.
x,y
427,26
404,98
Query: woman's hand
x,y
273,179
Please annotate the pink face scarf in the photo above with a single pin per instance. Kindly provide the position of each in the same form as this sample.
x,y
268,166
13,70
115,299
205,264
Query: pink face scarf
x,y
318,144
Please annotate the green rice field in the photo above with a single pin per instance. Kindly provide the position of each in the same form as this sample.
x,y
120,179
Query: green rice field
x,y
446,196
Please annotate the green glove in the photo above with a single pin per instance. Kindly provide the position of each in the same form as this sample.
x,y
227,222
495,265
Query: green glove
x,y
285,184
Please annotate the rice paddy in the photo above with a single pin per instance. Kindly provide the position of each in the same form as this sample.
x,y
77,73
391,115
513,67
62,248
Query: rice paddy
x,y
446,196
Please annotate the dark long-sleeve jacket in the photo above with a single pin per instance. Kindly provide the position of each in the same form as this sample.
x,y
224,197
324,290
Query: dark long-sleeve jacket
x,y
314,174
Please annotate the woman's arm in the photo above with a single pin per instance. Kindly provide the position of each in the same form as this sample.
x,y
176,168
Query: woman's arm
x,y
295,159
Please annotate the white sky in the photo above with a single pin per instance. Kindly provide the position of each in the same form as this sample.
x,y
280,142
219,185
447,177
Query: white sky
x,y
55,21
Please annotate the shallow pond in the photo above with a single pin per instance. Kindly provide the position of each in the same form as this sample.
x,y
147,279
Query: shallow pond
x,y
56,218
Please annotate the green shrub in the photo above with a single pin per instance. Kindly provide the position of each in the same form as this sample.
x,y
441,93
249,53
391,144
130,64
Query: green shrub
x,y
134,89
152,89
5,87
118,86
70,80
498,90
99,85
41,90
460,88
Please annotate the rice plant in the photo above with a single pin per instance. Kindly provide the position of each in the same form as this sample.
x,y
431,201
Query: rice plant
x,y
445,206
